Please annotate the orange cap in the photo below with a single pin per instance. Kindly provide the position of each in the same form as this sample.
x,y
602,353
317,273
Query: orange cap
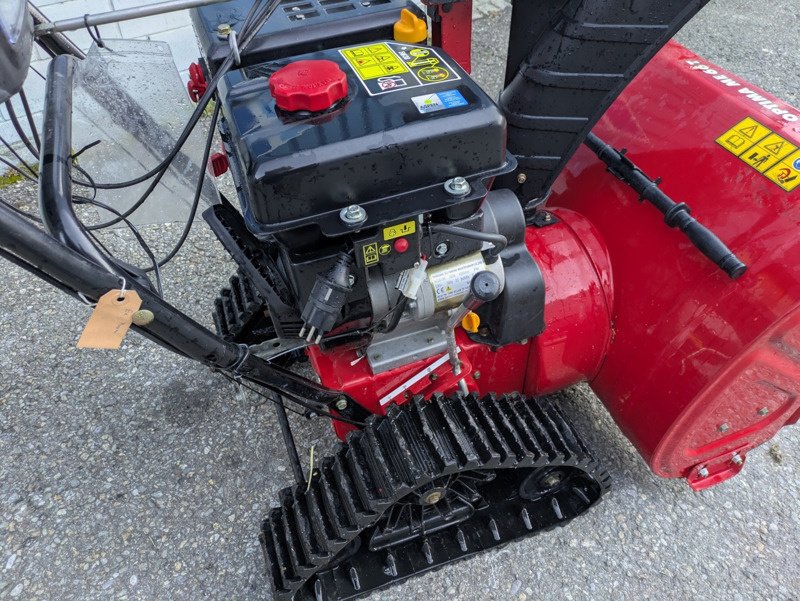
x,y
410,28
471,322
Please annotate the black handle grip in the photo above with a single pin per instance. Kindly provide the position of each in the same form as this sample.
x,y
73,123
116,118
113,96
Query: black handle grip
x,y
705,241
675,214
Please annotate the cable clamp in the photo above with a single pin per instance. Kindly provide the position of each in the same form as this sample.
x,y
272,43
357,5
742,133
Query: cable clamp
x,y
237,56
244,351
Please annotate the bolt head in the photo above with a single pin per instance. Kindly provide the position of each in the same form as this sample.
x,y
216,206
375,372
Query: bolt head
x,y
441,249
476,375
703,472
353,215
458,186
341,404
724,428
224,30
522,178
351,279
433,377
763,411
737,459
143,317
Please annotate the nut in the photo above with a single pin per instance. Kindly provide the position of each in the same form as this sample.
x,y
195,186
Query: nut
x,y
458,186
522,178
341,404
441,249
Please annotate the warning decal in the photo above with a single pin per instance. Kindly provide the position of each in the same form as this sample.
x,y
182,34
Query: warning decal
x,y
765,151
390,67
371,254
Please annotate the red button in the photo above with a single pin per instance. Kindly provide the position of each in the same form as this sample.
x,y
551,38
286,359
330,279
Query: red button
x,y
308,85
401,245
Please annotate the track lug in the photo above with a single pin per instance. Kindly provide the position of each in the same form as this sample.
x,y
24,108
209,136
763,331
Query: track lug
x,y
462,540
494,529
526,518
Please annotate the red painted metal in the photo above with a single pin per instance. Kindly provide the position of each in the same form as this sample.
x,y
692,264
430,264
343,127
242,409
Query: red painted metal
x,y
696,369
695,356
452,30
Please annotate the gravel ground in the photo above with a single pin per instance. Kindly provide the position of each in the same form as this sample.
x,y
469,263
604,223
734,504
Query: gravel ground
x,y
140,475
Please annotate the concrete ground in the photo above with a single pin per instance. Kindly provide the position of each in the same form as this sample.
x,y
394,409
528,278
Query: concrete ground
x,y
139,475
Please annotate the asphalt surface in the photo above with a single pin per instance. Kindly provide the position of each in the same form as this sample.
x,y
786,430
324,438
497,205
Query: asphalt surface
x,y
139,475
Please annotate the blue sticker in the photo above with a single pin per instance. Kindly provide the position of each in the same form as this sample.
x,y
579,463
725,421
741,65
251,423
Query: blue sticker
x,y
439,101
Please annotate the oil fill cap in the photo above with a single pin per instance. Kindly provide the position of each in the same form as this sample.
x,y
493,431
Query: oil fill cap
x,y
312,85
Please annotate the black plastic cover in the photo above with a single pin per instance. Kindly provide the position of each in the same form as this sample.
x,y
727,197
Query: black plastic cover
x,y
297,26
389,151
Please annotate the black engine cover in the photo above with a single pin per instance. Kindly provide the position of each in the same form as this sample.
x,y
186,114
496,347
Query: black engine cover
x,y
412,119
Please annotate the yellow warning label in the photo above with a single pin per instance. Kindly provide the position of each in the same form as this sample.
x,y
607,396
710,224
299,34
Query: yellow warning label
x,y
399,230
371,254
786,173
376,60
742,136
765,151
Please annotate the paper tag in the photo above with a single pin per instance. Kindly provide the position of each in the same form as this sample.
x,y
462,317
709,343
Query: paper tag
x,y
110,320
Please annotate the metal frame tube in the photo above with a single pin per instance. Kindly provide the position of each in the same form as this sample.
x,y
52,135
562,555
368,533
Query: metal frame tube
x,y
115,16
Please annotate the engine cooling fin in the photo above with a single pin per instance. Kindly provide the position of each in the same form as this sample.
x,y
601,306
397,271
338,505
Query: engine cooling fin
x,y
430,483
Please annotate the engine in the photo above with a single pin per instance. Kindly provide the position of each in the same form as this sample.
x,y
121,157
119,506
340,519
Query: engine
x,y
363,174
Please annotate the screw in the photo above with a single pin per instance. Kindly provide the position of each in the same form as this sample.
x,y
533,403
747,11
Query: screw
x,y
341,403
737,459
377,357
703,472
483,331
476,375
224,30
457,186
522,178
548,217
353,215
433,377
724,428
763,411
351,279
441,249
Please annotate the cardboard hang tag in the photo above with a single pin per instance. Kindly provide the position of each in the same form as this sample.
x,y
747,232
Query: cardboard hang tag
x,y
110,320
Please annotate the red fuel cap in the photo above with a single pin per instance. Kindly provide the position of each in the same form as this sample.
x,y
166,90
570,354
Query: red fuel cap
x,y
308,85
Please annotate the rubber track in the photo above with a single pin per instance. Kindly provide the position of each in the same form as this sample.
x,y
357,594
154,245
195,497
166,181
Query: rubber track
x,y
240,314
393,455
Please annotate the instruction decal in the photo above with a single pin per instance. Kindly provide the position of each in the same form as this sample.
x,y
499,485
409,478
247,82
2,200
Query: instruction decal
x,y
391,67
371,256
765,151
399,230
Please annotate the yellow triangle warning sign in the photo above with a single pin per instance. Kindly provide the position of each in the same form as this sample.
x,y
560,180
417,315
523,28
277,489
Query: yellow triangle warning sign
x,y
776,147
749,131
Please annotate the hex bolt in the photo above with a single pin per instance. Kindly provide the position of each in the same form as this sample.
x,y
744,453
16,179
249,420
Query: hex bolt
x,y
433,377
341,404
224,30
724,428
458,186
522,178
763,411
703,472
476,375
737,459
353,215
441,249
